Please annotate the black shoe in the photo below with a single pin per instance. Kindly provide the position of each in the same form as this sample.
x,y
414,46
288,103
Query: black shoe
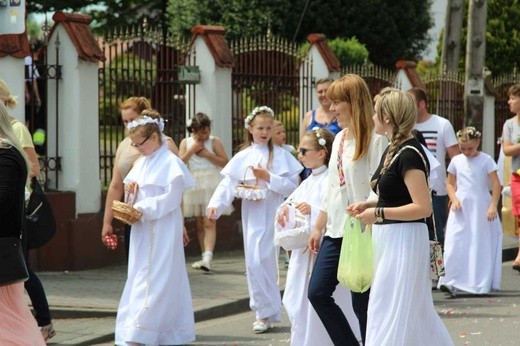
x,y
448,289
516,266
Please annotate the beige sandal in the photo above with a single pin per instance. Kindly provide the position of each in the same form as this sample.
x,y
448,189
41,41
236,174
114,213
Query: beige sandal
x,y
48,331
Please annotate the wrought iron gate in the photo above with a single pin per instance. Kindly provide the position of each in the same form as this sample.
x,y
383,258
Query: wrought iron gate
x,y
142,62
267,71
38,71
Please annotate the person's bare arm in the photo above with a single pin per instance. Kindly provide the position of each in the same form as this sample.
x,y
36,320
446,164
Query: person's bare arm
x,y
453,151
219,158
496,189
305,123
33,158
184,154
317,232
421,206
172,146
510,149
114,193
451,188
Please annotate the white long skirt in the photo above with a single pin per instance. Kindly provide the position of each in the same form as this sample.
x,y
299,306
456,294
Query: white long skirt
x,y
306,327
156,306
473,246
401,310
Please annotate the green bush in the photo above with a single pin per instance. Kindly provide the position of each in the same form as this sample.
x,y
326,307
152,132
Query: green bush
x,y
350,51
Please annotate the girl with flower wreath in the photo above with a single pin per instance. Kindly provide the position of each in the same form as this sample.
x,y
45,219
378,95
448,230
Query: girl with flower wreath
x,y
205,156
473,243
306,328
275,171
156,307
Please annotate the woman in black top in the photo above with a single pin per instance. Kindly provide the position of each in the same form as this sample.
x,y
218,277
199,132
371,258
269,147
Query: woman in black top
x,y
17,325
400,310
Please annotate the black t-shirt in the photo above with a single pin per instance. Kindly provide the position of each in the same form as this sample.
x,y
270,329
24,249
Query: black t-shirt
x,y
392,189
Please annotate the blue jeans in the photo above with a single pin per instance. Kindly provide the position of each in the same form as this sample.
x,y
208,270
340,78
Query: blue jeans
x,y
322,285
440,215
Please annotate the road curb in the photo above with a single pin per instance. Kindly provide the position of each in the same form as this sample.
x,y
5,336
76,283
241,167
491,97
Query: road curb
x,y
239,305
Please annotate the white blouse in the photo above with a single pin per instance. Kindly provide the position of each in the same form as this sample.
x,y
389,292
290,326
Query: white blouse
x,y
357,180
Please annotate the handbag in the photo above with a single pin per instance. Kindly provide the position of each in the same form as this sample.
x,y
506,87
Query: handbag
x,y
436,256
250,192
296,233
436,260
13,268
39,221
12,262
356,266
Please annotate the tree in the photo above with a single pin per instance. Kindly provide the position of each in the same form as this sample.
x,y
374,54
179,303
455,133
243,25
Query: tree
x,y
503,35
390,29
107,14
57,5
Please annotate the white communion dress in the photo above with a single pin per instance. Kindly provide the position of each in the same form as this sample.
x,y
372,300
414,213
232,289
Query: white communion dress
x,y
156,307
306,327
258,220
473,245
207,177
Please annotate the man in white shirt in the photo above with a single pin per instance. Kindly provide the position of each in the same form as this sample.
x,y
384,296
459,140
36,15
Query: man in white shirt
x,y
440,139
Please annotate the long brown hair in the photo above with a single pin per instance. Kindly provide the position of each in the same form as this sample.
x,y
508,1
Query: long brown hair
x,y
352,89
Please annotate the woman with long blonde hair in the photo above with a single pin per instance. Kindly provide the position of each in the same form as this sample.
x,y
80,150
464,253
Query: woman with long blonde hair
x,y
17,325
400,311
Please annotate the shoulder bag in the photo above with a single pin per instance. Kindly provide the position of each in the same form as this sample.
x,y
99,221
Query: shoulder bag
x,y
39,221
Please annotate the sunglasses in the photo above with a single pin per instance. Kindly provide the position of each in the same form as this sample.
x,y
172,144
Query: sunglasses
x,y
304,151
138,145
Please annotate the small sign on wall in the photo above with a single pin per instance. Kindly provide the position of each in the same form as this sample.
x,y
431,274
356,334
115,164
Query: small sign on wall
x,y
12,17
188,74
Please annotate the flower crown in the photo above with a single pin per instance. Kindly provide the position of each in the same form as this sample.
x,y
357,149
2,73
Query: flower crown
x,y
470,132
146,120
255,112
321,141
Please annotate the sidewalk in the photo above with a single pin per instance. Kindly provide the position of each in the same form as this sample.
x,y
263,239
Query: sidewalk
x,y
84,303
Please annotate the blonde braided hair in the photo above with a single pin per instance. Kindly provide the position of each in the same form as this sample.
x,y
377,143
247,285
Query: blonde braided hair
x,y
399,108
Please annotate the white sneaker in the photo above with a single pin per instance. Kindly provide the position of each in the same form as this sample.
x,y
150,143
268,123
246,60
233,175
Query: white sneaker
x,y
261,327
205,265
197,265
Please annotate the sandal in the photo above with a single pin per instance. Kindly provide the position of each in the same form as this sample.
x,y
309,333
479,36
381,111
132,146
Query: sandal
x,y
48,331
516,265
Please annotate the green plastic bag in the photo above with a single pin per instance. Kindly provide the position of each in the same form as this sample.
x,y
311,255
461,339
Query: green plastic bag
x,y
355,269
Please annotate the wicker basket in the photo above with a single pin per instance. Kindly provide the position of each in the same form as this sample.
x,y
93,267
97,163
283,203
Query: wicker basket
x,y
250,192
125,212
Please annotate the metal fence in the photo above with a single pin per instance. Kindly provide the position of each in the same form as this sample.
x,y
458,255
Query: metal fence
x,y
37,73
376,77
502,113
269,71
142,62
